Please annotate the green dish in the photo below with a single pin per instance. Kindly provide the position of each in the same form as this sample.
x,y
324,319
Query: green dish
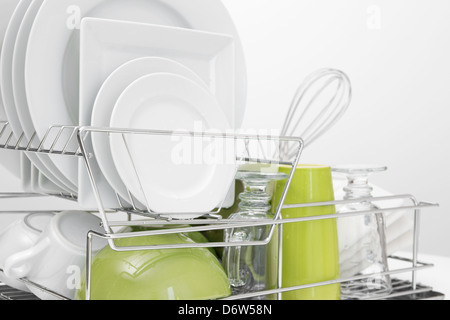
x,y
161,274
198,237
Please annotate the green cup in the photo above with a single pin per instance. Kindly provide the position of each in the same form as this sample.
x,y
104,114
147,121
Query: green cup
x,y
310,248
161,274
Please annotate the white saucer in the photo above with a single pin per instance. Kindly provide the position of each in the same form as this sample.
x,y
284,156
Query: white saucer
x,y
159,169
107,97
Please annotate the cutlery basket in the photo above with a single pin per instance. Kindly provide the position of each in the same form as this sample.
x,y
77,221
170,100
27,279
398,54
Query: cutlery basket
x,y
245,149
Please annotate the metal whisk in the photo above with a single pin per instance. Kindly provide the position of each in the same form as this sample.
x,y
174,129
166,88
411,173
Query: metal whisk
x,y
309,119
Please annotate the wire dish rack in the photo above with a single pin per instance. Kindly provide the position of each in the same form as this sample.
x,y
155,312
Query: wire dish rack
x,y
246,149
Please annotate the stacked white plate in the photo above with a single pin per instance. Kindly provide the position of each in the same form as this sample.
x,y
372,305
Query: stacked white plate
x,y
134,64
9,160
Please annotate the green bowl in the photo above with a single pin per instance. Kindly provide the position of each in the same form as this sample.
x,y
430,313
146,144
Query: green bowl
x,y
198,237
161,274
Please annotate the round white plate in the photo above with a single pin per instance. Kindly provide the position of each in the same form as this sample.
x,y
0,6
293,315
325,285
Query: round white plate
x,y
46,164
159,170
53,48
8,159
6,79
12,74
6,59
107,97
7,8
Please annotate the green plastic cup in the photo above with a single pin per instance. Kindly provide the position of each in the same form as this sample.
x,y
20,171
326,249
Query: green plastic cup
x,y
310,248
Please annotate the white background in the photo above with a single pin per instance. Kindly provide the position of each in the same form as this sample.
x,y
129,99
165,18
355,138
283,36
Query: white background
x,y
397,55
401,82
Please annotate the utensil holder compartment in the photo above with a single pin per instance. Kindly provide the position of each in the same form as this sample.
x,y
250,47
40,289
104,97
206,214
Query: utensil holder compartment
x,y
248,149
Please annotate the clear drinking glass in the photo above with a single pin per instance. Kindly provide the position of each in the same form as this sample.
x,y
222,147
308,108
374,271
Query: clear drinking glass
x,y
366,256
246,265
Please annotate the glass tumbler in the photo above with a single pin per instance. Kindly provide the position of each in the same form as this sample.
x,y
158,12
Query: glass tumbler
x,y
366,254
246,265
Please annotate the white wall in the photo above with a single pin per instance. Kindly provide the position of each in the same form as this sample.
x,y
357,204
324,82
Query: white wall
x,y
401,78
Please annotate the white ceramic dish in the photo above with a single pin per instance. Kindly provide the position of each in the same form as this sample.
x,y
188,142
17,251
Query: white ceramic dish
x,y
103,106
14,48
51,179
208,57
53,52
57,256
107,44
25,173
18,236
8,159
7,8
158,174
6,57
31,177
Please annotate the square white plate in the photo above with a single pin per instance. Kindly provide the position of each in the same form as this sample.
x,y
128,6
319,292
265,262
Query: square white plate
x,y
108,44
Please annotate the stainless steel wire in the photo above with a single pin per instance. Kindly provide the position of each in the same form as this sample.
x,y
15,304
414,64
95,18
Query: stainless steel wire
x,y
209,221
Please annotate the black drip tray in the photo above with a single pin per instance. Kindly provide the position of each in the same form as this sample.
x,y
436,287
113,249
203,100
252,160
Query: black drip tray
x,y
8,293
402,291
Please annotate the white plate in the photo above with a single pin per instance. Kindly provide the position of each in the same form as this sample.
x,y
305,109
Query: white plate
x,y
25,173
106,44
12,70
51,179
8,159
7,8
6,82
158,176
52,56
104,103
6,58
31,178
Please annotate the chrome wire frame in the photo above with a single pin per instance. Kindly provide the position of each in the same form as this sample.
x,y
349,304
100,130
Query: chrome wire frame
x,y
208,222
243,138
54,135
223,224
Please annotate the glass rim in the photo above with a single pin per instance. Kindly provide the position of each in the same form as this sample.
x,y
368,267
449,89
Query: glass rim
x,y
358,168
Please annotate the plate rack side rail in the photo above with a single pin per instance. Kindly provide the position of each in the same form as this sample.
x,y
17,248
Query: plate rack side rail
x,y
402,289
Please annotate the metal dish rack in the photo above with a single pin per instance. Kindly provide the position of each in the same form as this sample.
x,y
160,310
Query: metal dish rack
x,y
75,141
